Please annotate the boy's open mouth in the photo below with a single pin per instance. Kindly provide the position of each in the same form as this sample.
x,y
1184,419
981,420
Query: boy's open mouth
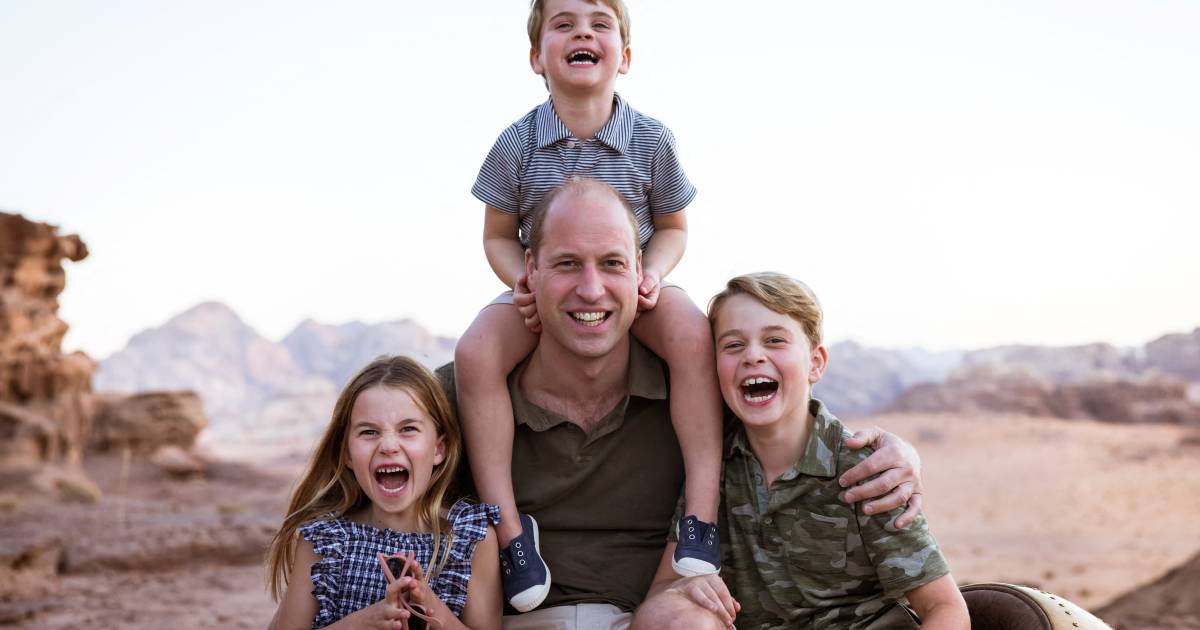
x,y
594,318
391,478
582,57
758,389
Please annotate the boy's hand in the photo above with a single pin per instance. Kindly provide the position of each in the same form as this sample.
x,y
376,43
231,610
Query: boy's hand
x,y
898,481
523,299
648,291
709,592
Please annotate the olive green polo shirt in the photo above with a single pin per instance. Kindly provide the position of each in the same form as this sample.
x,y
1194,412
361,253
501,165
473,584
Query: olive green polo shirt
x,y
795,556
603,501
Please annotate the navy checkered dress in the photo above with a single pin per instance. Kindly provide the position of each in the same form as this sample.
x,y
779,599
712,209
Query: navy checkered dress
x,y
348,577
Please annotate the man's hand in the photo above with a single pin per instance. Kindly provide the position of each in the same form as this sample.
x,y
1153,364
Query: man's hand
x,y
648,291
898,483
523,299
710,593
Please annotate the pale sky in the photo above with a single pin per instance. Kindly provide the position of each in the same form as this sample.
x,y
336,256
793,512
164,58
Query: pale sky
x,y
946,174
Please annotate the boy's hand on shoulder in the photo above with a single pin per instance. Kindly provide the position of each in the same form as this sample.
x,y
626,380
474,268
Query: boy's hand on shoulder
x,y
648,291
523,299
896,468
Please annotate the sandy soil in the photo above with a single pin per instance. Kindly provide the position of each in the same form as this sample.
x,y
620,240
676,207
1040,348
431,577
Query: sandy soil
x,y
1084,509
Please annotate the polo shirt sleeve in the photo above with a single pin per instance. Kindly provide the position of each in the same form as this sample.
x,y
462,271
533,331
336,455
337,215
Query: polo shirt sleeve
x,y
498,183
903,558
670,189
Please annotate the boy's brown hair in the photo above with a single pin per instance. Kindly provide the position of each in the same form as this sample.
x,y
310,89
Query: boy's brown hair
x,y
537,18
778,292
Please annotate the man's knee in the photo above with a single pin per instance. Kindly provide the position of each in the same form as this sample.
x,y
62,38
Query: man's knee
x,y
673,611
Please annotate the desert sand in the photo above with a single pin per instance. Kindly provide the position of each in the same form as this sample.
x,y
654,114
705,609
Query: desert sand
x,y
1085,509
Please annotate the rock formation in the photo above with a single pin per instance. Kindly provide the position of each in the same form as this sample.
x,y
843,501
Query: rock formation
x,y
45,394
145,422
1172,601
1114,399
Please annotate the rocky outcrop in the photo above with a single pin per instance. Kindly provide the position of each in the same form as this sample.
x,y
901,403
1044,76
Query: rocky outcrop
x,y
861,380
1177,354
143,423
1114,399
1171,602
1067,364
47,394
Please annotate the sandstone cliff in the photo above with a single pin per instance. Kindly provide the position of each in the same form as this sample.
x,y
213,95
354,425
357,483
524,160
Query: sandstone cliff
x,y
45,395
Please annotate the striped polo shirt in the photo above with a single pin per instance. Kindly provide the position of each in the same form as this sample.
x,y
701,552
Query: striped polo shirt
x,y
633,153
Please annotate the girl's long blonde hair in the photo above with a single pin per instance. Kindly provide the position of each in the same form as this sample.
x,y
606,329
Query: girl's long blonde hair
x,y
328,488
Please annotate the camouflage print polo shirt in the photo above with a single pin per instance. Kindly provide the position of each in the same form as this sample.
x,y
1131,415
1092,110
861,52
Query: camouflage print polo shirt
x,y
795,556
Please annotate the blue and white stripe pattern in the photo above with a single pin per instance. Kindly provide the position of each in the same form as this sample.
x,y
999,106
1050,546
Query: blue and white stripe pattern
x,y
348,576
633,153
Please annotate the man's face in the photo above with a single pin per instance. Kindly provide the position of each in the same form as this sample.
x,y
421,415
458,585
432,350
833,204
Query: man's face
x,y
586,274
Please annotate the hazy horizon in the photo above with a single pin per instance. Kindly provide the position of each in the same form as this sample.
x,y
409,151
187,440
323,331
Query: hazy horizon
x,y
946,175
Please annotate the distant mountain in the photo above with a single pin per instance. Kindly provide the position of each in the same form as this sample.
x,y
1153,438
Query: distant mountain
x,y
862,380
257,391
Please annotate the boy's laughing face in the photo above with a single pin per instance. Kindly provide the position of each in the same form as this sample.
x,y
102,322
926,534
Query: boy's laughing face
x,y
765,364
581,47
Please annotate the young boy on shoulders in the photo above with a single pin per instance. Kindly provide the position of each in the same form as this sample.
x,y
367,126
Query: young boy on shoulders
x,y
795,555
585,129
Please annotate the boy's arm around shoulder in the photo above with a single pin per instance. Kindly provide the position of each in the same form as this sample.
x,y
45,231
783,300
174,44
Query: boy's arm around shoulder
x,y
940,605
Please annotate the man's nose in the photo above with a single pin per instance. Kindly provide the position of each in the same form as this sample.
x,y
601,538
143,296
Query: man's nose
x,y
590,286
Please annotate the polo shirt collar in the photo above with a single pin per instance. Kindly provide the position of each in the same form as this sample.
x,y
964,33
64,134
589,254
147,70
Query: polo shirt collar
x,y
820,453
645,379
616,133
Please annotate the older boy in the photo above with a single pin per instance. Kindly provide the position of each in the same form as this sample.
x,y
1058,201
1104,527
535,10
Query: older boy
x,y
797,555
580,47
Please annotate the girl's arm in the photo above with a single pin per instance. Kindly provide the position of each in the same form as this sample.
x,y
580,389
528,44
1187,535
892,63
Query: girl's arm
x,y
299,607
501,245
484,603
940,605
662,254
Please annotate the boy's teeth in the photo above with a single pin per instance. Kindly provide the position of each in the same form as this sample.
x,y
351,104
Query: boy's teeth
x,y
756,380
758,399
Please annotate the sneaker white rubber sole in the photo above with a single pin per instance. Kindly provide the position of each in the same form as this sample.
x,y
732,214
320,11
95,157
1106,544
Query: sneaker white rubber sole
x,y
691,567
533,596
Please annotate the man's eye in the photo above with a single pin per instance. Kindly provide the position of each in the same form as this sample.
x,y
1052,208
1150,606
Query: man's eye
x,y
614,263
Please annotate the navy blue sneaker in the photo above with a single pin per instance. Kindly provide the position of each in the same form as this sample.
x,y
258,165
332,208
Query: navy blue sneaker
x,y
699,549
525,577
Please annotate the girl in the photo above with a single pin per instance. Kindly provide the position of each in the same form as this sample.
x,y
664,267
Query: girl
x,y
376,485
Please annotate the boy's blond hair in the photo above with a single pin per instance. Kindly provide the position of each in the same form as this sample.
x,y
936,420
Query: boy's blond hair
x,y
778,292
537,18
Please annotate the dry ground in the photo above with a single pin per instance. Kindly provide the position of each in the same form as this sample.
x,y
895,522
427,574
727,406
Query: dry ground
x,y
1084,509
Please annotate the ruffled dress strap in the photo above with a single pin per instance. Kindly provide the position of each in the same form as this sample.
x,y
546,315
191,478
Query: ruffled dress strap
x,y
328,538
469,521
468,524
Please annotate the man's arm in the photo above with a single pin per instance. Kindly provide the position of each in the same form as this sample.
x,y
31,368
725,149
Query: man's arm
x,y
701,602
896,467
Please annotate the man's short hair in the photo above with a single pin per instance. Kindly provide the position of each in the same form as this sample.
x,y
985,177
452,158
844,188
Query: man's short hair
x,y
537,17
575,185
778,292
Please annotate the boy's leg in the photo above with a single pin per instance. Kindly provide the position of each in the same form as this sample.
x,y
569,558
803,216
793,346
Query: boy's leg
x,y
483,358
678,332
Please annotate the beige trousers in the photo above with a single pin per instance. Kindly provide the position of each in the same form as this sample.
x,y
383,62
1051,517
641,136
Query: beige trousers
x,y
577,617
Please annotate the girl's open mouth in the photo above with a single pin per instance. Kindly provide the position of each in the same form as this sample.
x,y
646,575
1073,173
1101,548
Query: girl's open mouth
x,y
391,478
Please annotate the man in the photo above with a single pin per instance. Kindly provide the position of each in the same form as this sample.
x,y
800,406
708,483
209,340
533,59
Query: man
x,y
595,460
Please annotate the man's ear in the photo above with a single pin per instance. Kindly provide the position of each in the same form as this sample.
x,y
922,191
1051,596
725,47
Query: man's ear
x,y
638,258
820,361
530,268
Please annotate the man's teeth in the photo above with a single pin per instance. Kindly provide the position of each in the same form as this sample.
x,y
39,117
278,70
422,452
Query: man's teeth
x,y
589,319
